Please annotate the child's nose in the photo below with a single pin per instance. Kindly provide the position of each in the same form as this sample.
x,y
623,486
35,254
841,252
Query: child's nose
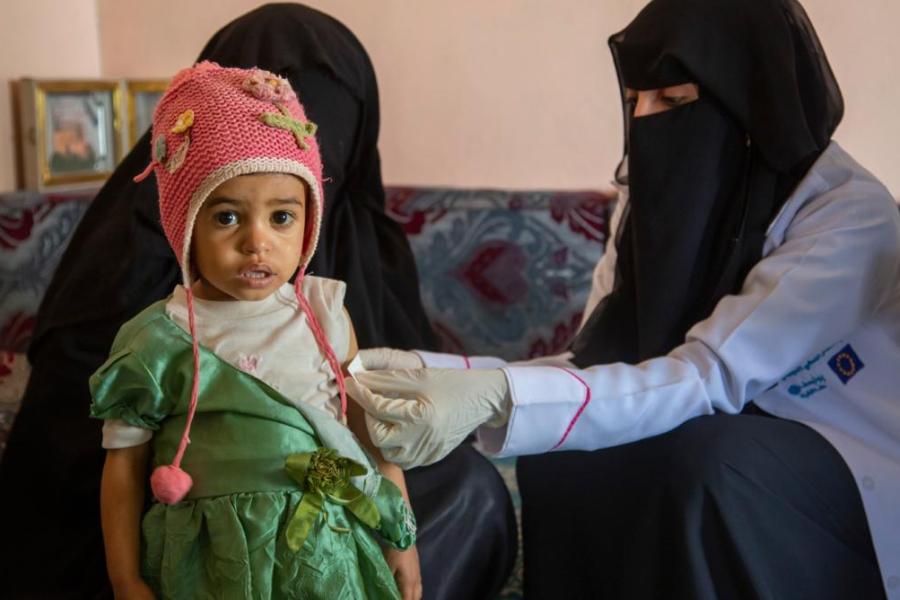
x,y
256,240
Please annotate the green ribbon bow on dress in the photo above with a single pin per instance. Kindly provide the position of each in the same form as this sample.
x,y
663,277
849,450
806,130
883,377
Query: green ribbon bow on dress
x,y
325,475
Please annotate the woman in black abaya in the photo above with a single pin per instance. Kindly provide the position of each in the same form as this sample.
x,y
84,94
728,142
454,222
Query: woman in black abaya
x,y
726,506
119,262
716,436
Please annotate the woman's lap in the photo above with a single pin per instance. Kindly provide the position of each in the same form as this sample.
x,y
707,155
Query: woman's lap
x,y
467,536
723,506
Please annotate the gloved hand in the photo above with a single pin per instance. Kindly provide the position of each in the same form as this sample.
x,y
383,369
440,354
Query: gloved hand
x,y
418,416
563,360
377,359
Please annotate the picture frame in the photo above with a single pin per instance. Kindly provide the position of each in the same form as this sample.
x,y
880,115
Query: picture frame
x,y
143,96
71,132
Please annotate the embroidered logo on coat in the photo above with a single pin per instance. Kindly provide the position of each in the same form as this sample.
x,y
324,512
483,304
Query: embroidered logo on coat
x,y
845,364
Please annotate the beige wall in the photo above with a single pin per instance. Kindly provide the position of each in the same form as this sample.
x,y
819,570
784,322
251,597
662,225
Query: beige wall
x,y
504,93
42,38
473,92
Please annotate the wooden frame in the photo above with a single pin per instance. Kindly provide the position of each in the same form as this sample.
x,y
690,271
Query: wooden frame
x,y
71,132
143,95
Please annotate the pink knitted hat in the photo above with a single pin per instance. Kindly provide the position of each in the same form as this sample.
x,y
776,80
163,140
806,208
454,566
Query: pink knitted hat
x,y
216,123
213,124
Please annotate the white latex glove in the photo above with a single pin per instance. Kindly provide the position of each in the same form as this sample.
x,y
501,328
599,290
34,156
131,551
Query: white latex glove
x,y
418,416
376,359
563,360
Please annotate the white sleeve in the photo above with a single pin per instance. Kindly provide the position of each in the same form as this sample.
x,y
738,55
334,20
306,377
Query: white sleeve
x,y
119,434
605,271
835,268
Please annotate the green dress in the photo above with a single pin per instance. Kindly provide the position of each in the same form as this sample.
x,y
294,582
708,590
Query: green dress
x,y
229,537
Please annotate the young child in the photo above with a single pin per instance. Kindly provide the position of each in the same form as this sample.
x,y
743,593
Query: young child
x,y
233,386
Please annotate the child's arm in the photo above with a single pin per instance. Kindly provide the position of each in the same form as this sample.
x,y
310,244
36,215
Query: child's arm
x,y
356,420
404,564
121,505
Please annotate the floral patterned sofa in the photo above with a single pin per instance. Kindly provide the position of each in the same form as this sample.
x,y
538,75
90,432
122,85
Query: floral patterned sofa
x,y
502,273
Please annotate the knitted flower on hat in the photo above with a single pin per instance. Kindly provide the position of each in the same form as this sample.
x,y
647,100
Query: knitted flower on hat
x,y
215,123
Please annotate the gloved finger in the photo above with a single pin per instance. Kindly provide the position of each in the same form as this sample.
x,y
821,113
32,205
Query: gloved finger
x,y
406,383
387,438
413,446
386,409
382,434
400,456
375,358
563,360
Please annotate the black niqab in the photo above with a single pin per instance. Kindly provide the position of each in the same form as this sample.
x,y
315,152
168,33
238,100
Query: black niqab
x,y
335,81
706,179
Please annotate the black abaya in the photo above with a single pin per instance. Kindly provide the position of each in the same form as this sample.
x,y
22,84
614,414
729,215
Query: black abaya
x,y
118,262
725,506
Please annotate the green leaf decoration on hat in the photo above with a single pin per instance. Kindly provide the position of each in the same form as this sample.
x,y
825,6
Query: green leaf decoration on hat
x,y
159,148
179,155
285,121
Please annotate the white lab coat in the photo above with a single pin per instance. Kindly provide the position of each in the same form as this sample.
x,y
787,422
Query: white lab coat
x,y
813,335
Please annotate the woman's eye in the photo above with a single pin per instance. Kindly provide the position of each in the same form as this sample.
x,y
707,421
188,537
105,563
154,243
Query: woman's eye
x,y
226,217
282,217
676,100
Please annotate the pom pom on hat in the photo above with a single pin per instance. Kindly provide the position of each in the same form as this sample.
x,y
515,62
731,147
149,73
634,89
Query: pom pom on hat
x,y
170,484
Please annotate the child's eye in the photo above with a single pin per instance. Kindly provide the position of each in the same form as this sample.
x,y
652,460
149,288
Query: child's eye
x,y
282,217
225,217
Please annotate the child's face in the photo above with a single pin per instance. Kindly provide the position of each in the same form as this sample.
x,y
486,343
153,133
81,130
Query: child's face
x,y
248,236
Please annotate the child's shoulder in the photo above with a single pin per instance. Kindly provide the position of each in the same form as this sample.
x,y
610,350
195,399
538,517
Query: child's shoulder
x,y
150,327
314,283
324,293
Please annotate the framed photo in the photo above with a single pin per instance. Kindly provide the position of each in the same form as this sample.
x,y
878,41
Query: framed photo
x,y
71,132
143,96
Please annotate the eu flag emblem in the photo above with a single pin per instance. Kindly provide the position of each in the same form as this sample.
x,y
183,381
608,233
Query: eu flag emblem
x,y
845,364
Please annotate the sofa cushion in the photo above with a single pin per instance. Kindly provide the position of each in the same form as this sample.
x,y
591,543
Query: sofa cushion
x,y
34,231
503,273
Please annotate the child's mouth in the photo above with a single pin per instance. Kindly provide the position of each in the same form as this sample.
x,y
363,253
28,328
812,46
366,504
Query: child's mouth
x,y
257,276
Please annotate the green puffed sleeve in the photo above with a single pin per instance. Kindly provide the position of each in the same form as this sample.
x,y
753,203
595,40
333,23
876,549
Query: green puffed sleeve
x,y
124,388
398,524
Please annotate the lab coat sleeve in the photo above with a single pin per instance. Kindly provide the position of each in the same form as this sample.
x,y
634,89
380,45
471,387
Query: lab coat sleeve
x,y
835,266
